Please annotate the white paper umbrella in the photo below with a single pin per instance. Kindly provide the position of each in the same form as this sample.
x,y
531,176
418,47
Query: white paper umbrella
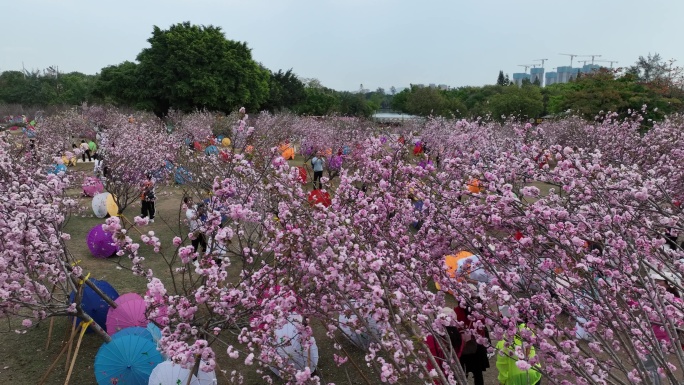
x,y
355,331
290,347
168,373
100,205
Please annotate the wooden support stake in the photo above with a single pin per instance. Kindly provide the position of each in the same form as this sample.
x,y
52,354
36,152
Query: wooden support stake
x,y
73,361
71,340
45,376
52,324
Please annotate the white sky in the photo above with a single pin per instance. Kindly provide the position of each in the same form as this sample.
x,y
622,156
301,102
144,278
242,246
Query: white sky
x,y
345,43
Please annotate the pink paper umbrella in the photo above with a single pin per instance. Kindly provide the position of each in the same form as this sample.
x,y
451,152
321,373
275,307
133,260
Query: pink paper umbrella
x,y
129,313
92,186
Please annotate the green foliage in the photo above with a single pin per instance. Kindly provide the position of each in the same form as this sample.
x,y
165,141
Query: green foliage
x,y
501,80
524,102
190,67
285,91
45,88
318,101
426,101
120,85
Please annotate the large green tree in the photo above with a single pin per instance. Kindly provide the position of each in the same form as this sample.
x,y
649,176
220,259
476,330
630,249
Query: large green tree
x,y
188,67
120,85
523,102
286,91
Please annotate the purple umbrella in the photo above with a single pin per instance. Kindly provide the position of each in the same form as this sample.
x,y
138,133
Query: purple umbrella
x,y
92,186
100,243
335,162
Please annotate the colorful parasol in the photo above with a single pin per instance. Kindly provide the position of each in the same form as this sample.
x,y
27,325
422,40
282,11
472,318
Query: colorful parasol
x,y
126,360
100,243
129,312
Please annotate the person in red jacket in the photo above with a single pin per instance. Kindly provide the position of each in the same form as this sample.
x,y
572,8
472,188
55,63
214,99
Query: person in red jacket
x,y
453,338
473,355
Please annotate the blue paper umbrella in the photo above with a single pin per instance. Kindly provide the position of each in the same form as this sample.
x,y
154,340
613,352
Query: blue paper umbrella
x,y
94,305
56,169
134,331
154,331
126,360
211,150
182,175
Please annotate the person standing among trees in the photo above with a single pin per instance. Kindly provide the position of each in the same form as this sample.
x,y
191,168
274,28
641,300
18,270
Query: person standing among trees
x,y
92,147
148,198
194,213
317,163
510,373
473,357
86,150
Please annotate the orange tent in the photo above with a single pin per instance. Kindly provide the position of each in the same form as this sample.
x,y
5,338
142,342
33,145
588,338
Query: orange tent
x,y
475,187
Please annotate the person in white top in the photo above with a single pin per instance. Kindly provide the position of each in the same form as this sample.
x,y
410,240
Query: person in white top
x,y
194,214
86,150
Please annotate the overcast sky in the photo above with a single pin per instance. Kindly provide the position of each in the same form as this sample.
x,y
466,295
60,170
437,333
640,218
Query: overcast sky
x,y
345,43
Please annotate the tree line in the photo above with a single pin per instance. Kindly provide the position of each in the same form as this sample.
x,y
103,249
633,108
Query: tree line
x,y
189,67
651,81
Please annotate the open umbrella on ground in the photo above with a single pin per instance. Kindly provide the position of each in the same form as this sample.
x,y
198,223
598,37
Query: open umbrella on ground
x,y
92,186
126,360
182,176
100,243
56,169
134,331
290,346
112,207
287,151
302,174
129,312
168,373
359,334
319,196
475,186
93,304
211,150
154,331
465,265
100,205
225,142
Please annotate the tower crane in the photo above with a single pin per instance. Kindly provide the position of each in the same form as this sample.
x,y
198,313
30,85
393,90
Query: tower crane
x,y
572,56
527,66
608,61
542,61
592,57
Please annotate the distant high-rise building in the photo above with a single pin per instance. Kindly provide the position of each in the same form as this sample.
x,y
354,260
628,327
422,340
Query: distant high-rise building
x,y
566,73
551,78
443,87
537,74
519,77
589,68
